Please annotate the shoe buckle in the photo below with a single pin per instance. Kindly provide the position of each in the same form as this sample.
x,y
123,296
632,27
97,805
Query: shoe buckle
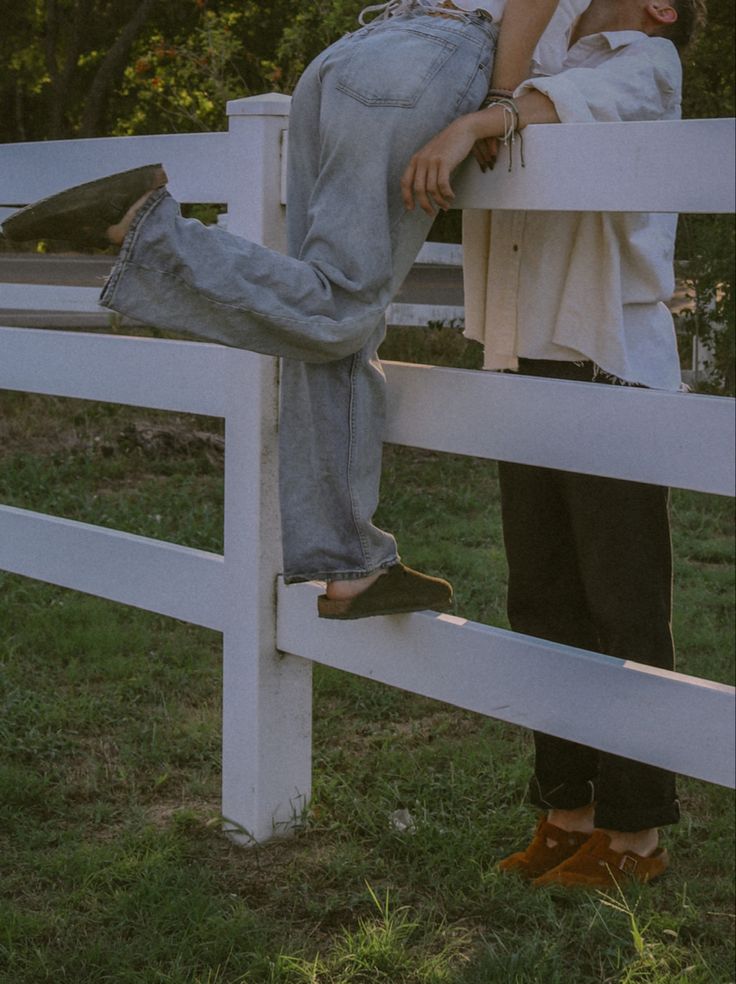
x,y
628,864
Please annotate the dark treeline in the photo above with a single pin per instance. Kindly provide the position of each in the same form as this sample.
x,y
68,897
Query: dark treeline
x,y
82,68
86,68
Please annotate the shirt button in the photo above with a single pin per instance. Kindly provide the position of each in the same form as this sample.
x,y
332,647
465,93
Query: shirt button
x,y
516,247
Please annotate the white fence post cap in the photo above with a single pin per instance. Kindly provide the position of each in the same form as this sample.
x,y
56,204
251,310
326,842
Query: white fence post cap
x,y
268,104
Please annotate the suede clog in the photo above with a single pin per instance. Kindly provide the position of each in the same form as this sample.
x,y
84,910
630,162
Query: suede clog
x,y
81,214
549,847
595,865
399,590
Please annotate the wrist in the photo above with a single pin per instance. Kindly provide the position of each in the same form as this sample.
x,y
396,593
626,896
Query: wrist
x,y
488,122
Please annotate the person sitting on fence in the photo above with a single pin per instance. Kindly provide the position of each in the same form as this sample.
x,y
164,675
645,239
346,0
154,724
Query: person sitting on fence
x,y
582,296
359,112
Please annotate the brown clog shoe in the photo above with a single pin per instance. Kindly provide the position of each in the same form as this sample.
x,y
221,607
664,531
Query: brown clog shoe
x,y
595,865
549,847
399,590
83,213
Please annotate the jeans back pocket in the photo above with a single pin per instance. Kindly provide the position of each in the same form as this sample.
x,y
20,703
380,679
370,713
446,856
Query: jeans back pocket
x,y
392,67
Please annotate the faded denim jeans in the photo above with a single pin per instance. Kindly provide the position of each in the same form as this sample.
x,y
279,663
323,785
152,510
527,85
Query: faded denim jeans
x,y
359,112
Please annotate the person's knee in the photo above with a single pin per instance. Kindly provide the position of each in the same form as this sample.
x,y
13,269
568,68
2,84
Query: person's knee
x,y
343,340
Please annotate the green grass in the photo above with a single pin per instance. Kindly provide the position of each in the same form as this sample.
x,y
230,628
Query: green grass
x,y
112,864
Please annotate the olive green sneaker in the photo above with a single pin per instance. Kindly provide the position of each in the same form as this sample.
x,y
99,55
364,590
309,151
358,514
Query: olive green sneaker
x,y
82,214
400,589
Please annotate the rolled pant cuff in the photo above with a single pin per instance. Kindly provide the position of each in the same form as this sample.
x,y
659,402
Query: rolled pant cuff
x,y
629,821
338,575
565,796
107,295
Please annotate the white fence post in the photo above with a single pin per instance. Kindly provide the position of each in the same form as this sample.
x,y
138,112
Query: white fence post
x,y
266,754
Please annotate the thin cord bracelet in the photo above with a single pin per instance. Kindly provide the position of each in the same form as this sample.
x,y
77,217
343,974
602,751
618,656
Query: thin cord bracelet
x,y
510,125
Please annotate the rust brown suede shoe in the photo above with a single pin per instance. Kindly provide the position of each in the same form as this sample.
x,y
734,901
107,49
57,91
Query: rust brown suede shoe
x,y
596,866
83,213
549,847
399,590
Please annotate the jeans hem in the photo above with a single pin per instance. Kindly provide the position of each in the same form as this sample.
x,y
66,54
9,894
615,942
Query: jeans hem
x,y
107,294
338,575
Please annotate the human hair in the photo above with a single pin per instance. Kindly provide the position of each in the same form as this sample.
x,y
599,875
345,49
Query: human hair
x,y
691,15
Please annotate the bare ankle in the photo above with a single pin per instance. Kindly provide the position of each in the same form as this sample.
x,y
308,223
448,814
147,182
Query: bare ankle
x,y
642,842
580,819
351,587
117,233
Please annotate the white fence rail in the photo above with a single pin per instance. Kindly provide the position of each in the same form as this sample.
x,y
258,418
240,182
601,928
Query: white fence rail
x,y
269,644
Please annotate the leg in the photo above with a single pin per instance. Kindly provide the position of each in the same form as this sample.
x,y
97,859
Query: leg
x,y
330,466
623,543
331,425
621,531
546,599
617,543
603,582
329,472
323,303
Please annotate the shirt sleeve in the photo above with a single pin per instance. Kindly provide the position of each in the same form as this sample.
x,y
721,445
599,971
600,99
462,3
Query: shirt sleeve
x,y
639,81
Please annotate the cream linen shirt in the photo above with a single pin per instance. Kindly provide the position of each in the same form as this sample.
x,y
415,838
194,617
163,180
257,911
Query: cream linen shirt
x,y
568,286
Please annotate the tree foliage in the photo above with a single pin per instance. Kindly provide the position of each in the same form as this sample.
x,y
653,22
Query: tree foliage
x,y
706,243
80,68
64,60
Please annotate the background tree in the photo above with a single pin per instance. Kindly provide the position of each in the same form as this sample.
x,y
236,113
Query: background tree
x,y
79,68
65,60
181,79
706,242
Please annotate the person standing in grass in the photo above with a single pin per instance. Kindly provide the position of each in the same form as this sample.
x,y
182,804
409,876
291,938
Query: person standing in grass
x,y
582,296
359,113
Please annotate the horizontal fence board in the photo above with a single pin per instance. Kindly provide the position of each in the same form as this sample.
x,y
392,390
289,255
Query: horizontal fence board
x,y
666,719
198,164
678,439
10,318
186,377
631,157
440,254
52,297
630,161
420,315
151,574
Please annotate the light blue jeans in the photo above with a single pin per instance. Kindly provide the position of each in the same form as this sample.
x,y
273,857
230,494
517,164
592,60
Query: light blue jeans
x,y
359,112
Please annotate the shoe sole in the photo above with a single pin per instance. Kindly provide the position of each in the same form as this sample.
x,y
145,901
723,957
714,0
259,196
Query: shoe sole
x,y
82,213
344,609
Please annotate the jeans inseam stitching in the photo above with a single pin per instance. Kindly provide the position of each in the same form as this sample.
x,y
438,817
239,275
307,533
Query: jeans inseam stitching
x,y
355,359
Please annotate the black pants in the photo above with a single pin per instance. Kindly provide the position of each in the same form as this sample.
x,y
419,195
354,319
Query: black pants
x,y
590,565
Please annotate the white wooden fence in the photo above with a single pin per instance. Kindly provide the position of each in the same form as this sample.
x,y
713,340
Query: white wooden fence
x,y
271,639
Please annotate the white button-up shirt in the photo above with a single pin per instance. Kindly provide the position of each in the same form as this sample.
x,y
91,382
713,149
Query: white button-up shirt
x,y
569,286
